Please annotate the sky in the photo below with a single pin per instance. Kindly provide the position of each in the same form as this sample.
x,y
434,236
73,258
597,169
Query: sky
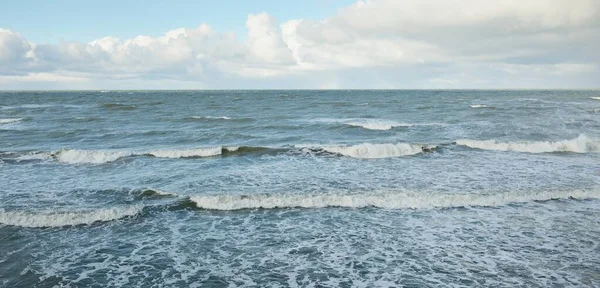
x,y
309,44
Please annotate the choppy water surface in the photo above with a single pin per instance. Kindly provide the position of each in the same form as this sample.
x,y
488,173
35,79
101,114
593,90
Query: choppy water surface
x,y
300,188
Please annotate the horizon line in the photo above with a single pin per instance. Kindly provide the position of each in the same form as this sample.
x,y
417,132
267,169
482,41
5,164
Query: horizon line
x,y
306,89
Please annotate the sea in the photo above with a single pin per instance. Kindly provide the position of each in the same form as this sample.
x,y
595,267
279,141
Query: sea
x,y
300,188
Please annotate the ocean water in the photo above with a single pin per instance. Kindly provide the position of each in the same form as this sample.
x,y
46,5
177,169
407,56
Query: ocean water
x,y
300,189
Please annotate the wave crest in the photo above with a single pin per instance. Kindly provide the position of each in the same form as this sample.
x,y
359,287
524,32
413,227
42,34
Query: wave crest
x,y
74,156
152,193
10,120
65,218
368,150
475,106
581,144
408,200
376,124
186,153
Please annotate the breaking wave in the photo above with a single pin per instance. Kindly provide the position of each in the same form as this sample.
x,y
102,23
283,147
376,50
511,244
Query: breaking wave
x,y
217,118
595,98
74,156
368,150
152,193
376,124
480,106
581,144
187,153
65,218
208,117
77,156
406,200
10,120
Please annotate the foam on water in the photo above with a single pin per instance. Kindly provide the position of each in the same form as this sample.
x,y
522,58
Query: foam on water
x,y
208,118
216,117
377,124
581,144
10,120
65,218
368,150
34,156
366,123
595,98
404,200
75,156
480,106
186,153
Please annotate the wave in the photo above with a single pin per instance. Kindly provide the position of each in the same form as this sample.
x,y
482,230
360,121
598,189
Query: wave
x,y
118,106
74,156
34,156
405,200
152,193
217,118
581,144
595,98
77,156
41,106
187,153
480,106
375,124
10,120
366,123
368,150
208,117
65,218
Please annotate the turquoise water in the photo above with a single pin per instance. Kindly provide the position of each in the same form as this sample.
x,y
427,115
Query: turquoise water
x,y
300,188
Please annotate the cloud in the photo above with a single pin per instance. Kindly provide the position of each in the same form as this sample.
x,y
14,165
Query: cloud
x,y
15,52
449,44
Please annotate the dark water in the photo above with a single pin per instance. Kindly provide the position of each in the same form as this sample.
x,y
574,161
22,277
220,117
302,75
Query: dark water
x,y
300,188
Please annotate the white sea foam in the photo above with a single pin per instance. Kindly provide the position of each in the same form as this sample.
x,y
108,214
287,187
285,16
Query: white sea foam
x,y
376,124
595,98
367,123
404,200
368,150
34,156
163,193
74,156
479,106
581,144
10,120
211,117
65,218
232,148
185,153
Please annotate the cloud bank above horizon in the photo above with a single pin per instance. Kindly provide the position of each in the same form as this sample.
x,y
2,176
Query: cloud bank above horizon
x,y
371,44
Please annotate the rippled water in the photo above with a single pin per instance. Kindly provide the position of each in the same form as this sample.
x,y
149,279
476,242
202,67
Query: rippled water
x,y
300,188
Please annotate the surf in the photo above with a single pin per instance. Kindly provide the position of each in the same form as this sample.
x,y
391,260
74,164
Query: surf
x,y
581,144
390,200
373,151
61,218
10,120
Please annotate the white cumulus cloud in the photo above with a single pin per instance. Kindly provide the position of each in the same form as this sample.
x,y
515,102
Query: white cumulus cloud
x,y
451,44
